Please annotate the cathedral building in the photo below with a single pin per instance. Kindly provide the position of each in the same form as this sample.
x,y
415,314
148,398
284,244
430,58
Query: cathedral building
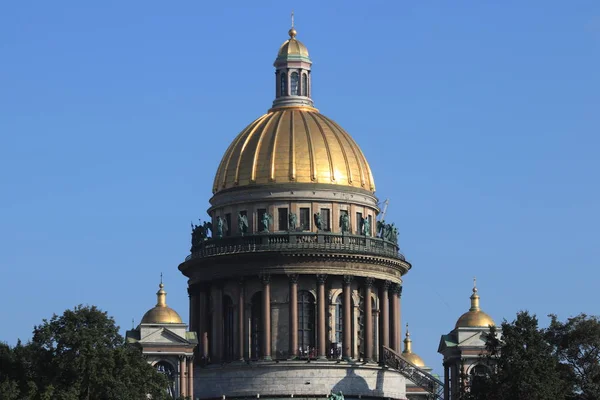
x,y
296,290
294,280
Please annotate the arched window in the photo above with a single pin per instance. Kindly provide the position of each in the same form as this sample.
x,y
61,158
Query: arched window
x,y
167,370
256,326
304,85
306,323
339,319
283,84
294,81
228,333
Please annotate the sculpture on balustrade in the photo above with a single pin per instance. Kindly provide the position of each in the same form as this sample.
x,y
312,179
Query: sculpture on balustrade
x,y
380,231
220,222
345,223
200,232
366,227
318,221
293,221
266,220
242,224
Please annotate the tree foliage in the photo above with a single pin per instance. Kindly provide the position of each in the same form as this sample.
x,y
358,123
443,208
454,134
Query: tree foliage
x,y
522,365
576,344
78,355
561,362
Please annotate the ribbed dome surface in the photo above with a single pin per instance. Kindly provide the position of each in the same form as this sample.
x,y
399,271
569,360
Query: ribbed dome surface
x,y
293,145
292,47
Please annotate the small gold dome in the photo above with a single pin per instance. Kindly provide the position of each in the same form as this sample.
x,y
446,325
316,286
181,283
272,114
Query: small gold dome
x,y
293,145
408,354
161,313
474,318
292,46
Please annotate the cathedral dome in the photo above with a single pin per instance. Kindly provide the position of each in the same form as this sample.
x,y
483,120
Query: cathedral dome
x,y
161,313
293,145
474,318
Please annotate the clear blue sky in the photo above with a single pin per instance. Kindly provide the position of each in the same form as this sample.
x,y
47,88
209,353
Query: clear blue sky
x,y
480,120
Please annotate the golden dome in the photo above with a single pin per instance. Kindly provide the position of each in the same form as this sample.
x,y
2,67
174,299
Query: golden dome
x,y
474,318
293,145
292,46
408,354
161,313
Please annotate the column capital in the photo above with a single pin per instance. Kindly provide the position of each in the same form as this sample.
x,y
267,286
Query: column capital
x,y
396,288
348,279
190,358
265,278
369,281
386,285
241,280
321,278
181,357
293,278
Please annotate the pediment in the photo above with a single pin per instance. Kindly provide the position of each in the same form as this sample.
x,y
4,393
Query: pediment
x,y
163,336
477,339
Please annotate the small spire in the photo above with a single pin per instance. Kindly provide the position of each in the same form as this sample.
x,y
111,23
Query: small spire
x,y
407,342
475,297
292,32
161,295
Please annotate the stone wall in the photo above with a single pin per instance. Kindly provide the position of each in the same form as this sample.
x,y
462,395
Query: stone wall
x,y
298,379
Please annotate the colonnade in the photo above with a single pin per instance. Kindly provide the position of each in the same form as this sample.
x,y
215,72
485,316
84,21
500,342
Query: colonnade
x,y
186,376
389,317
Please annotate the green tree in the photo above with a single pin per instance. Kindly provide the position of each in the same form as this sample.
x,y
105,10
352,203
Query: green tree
x,y
576,344
78,355
522,365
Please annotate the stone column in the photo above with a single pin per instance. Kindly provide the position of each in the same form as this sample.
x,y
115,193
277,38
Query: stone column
x,y
347,318
368,327
203,323
293,324
193,298
190,367
217,320
266,316
322,317
395,334
446,382
241,319
384,318
182,377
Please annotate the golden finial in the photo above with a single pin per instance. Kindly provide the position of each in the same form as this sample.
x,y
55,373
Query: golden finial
x,y
161,295
407,342
474,297
292,32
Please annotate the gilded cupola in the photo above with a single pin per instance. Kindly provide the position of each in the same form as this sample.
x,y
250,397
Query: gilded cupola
x,y
408,354
474,317
293,143
161,313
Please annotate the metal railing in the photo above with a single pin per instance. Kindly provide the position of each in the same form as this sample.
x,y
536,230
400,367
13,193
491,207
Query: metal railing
x,y
296,241
426,381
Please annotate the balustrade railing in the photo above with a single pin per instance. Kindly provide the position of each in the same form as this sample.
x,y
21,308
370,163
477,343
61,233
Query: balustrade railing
x,y
291,241
423,379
